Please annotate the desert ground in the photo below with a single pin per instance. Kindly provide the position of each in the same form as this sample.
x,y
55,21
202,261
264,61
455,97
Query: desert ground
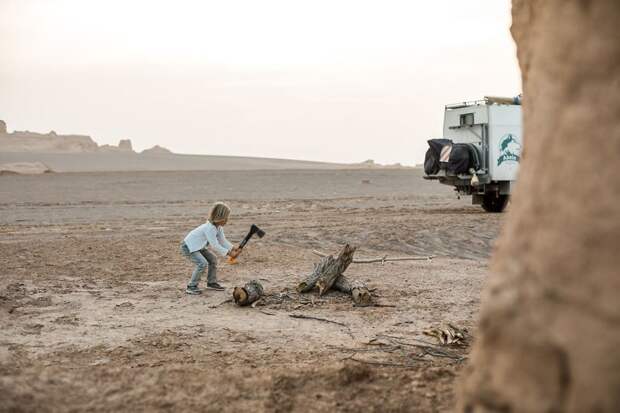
x,y
125,162
93,314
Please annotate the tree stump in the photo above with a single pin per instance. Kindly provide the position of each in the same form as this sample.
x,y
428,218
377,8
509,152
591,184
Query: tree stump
x,y
357,289
248,294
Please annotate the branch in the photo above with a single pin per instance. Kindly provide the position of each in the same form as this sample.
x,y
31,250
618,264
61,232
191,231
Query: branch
x,y
388,364
382,259
317,319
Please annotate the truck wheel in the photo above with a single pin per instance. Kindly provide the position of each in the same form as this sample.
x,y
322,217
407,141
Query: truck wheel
x,y
494,202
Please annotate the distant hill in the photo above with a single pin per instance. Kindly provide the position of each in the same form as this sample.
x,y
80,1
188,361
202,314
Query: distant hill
x,y
80,153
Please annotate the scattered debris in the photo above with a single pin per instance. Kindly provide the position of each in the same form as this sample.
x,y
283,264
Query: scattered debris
x,y
383,364
266,312
392,343
223,302
124,306
307,317
449,336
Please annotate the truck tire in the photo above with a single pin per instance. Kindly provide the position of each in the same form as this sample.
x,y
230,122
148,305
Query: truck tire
x,y
493,202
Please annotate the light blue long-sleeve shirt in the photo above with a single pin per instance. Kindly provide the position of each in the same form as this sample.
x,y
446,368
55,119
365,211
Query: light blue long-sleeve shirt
x,y
208,234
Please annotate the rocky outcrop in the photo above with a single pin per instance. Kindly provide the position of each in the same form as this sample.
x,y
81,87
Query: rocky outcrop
x,y
156,150
371,164
123,146
26,141
548,335
24,168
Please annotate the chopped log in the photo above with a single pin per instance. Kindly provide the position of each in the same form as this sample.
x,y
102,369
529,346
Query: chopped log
x,y
357,289
247,294
328,276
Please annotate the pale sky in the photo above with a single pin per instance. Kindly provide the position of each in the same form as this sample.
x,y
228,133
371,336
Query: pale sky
x,y
328,80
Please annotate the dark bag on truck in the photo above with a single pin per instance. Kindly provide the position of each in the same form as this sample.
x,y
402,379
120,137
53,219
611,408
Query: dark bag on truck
x,y
432,163
459,159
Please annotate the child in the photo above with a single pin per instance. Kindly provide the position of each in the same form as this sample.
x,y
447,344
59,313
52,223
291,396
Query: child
x,y
194,247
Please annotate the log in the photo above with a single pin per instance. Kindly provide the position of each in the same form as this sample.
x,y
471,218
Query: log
x,y
248,294
357,289
328,276
310,282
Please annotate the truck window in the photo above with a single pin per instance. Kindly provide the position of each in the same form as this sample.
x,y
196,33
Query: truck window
x,y
467,119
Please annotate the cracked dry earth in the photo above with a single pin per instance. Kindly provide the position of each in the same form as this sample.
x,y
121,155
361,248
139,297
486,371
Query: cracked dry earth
x,y
93,315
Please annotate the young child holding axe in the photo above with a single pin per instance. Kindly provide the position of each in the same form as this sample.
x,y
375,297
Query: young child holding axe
x,y
194,247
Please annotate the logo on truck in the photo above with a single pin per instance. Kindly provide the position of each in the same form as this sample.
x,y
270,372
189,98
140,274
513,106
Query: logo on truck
x,y
509,149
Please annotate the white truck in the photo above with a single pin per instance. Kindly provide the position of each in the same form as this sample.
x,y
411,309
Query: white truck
x,y
480,151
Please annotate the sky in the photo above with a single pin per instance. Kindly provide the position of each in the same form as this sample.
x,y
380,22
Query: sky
x,y
326,80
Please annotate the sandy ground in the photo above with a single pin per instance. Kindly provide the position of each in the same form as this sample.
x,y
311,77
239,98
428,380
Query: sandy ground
x,y
93,315
105,162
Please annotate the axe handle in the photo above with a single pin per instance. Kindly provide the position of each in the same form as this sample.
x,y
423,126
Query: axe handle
x,y
245,240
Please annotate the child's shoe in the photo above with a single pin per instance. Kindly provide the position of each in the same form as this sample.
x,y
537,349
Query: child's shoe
x,y
215,286
193,290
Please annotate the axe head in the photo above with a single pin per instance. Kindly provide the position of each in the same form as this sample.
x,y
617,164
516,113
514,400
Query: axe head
x,y
256,230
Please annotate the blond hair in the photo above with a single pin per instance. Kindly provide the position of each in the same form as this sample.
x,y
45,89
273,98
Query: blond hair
x,y
219,213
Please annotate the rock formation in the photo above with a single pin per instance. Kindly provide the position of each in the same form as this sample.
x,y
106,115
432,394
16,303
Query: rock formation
x,y
548,336
24,168
26,141
124,145
156,150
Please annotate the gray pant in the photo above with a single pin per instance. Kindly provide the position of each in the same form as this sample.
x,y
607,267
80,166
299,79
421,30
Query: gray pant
x,y
202,259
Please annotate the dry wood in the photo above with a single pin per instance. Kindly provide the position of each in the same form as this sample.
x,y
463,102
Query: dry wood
x,y
307,317
379,305
383,259
248,294
387,364
358,290
310,282
219,304
426,347
266,312
328,276
449,335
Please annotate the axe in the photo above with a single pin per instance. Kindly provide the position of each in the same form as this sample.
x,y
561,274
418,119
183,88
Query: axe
x,y
253,230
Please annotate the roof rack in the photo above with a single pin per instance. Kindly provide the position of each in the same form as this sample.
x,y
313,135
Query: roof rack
x,y
466,104
488,100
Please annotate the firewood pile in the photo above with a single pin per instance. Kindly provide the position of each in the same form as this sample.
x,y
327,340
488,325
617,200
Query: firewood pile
x,y
328,274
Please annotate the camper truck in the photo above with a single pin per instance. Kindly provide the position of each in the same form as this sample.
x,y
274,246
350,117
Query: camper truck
x,y
480,150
